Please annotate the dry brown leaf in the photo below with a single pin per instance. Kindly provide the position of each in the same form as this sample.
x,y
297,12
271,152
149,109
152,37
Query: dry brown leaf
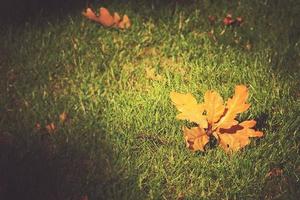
x,y
216,119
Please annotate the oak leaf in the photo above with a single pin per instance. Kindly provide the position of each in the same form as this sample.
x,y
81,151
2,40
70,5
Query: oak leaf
x,y
106,19
216,119
195,138
189,108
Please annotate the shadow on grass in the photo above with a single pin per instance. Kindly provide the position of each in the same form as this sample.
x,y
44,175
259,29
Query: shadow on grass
x,y
40,168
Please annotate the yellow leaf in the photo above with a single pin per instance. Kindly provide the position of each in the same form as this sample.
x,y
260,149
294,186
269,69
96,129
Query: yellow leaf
x,y
213,104
237,104
195,138
189,108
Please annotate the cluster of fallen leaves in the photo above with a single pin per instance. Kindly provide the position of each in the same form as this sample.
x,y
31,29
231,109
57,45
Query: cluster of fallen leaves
x,y
228,20
215,119
230,24
106,19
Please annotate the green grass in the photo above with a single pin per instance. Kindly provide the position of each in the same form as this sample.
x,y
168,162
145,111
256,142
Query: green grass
x,y
121,139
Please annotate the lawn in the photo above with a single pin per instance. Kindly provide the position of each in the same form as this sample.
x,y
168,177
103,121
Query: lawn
x,y
85,111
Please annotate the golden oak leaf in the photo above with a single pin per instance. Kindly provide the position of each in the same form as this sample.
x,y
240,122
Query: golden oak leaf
x,y
218,120
195,138
237,137
214,107
237,104
189,108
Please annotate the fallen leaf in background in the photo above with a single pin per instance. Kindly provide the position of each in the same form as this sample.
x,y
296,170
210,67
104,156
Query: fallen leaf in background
x,y
106,19
90,14
50,128
125,23
228,20
212,19
37,126
216,119
274,172
117,18
239,21
63,117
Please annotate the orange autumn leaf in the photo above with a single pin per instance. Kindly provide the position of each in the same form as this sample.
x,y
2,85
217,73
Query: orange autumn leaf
x,y
117,18
216,119
237,136
89,13
106,19
189,108
214,107
237,104
195,138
